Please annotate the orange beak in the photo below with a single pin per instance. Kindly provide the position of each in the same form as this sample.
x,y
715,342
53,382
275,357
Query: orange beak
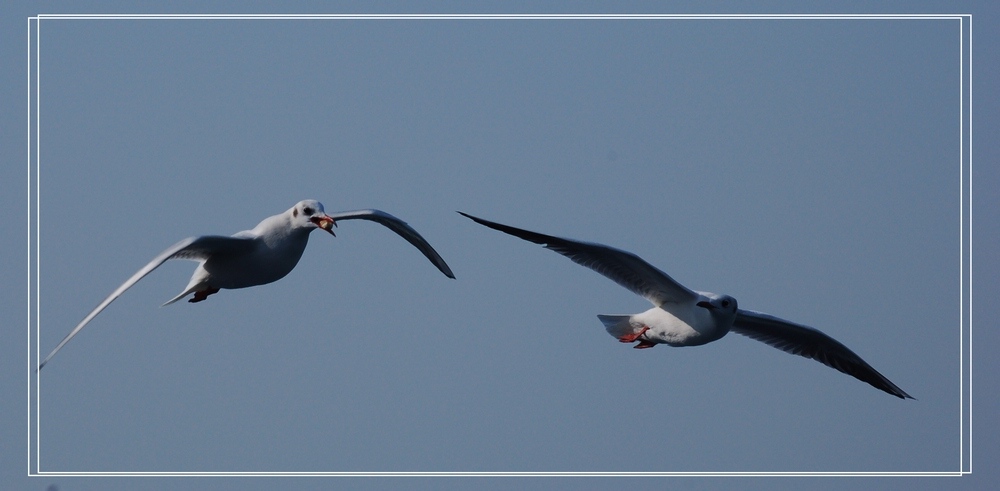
x,y
325,222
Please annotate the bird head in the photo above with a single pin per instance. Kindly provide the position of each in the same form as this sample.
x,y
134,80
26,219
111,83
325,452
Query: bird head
x,y
718,304
310,214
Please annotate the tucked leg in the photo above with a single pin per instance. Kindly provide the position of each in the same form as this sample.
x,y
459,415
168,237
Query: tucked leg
x,y
203,294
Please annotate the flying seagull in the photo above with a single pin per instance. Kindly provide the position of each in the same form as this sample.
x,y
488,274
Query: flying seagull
x,y
683,317
255,257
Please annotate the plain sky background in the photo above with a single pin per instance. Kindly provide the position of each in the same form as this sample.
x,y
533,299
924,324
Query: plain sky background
x,y
809,168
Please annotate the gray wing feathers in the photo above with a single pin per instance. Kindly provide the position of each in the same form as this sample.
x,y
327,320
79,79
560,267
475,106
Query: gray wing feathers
x,y
194,248
811,343
400,228
200,248
626,269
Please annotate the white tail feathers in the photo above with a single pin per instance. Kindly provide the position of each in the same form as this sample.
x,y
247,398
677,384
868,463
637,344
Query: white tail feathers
x,y
617,325
199,282
194,287
183,294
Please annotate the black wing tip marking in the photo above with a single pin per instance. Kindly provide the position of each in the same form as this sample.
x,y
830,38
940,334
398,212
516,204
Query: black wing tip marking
x,y
567,247
864,372
903,395
541,239
877,380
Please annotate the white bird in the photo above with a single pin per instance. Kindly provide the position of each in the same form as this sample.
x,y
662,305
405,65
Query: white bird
x,y
262,255
682,317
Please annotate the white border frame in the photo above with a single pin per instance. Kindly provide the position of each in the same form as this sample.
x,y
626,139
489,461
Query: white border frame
x,y
965,226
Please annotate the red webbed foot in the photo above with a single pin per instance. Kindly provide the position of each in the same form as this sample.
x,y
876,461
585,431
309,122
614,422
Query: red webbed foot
x,y
628,338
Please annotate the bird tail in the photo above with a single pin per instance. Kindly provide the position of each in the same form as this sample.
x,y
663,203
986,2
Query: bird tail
x,y
617,325
183,294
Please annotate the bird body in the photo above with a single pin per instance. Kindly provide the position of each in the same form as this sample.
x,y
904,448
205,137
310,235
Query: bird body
x,y
273,250
262,255
664,325
683,317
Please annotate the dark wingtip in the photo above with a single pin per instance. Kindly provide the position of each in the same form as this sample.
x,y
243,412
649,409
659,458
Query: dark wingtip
x,y
889,388
476,219
487,223
535,237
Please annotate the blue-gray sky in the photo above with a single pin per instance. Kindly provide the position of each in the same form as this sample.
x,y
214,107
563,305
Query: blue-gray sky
x,y
809,168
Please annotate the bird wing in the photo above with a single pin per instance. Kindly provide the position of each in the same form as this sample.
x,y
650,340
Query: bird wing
x,y
402,229
811,343
624,268
193,248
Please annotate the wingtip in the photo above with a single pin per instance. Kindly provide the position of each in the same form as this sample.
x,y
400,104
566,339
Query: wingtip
x,y
893,390
474,218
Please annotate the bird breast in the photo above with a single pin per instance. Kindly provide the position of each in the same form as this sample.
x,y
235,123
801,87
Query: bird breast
x,y
695,328
269,262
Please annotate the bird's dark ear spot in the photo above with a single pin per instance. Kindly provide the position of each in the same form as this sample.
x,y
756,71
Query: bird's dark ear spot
x,y
295,212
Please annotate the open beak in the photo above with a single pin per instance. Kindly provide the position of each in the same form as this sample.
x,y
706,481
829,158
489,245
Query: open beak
x,y
705,305
325,222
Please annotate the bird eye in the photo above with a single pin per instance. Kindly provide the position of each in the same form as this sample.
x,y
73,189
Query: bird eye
x,y
725,303
308,211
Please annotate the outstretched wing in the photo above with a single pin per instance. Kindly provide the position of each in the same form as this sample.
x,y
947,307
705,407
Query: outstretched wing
x,y
401,229
624,268
811,343
193,248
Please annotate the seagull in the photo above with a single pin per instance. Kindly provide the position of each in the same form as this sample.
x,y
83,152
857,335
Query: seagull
x,y
683,317
254,257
